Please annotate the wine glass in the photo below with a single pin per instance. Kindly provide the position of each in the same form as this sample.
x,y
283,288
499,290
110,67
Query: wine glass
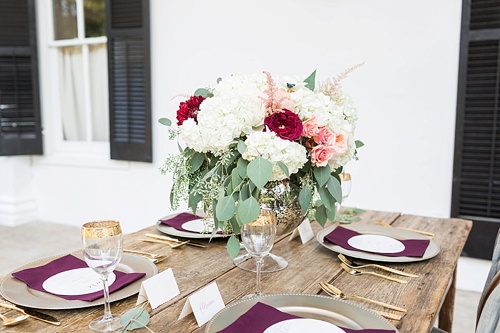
x,y
102,251
258,239
345,182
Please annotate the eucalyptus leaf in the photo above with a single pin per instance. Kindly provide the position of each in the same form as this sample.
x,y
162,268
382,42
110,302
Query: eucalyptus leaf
x,y
193,200
335,188
359,143
235,179
248,210
244,192
233,246
310,81
259,171
330,214
196,161
226,207
321,174
135,318
165,121
327,198
305,198
202,92
284,168
320,215
241,147
241,166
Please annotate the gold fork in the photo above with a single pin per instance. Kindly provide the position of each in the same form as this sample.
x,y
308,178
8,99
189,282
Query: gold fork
x,y
330,288
359,272
143,253
381,313
385,224
353,265
173,246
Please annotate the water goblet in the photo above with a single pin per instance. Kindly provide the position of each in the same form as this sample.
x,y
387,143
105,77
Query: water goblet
x,y
102,251
258,239
345,182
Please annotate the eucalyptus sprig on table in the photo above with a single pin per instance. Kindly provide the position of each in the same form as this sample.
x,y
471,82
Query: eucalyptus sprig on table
x,y
135,318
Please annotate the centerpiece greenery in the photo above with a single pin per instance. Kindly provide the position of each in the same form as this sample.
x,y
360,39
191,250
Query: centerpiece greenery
x,y
253,131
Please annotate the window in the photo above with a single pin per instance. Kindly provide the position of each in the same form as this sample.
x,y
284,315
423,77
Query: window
x,y
80,39
476,179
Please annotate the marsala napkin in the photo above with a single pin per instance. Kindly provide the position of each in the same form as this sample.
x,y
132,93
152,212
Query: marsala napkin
x,y
178,220
413,247
261,316
36,276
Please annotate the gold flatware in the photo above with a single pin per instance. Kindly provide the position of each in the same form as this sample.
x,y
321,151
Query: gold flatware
x,y
359,272
385,224
330,288
354,265
173,246
13,321
382,313
143,253
170,239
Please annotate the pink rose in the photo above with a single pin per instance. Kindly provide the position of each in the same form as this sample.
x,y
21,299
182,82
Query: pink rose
x,y
340,144
324,136
286,124
310,128
321,154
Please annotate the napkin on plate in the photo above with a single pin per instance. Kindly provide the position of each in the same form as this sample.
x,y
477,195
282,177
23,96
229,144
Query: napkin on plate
x,y
36,276
413,247
261,316
178,220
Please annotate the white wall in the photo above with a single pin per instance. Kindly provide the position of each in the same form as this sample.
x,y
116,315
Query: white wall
x,y
405,93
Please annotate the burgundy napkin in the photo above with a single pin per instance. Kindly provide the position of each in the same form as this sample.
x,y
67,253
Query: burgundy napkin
x,y
261,316
178,220
413,247
34,277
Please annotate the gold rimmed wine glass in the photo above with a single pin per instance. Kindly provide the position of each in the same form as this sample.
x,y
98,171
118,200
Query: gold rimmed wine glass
x,y
345,182
258,239
102,251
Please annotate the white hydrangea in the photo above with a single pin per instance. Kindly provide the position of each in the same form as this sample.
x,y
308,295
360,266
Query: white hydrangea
x,y
274,149
234,110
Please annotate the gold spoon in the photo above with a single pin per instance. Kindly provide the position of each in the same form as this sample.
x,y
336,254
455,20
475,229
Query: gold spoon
x,y
358,272
13,321
328,287
388,269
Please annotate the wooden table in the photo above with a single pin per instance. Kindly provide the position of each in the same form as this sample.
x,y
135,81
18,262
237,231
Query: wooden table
x,y
309,264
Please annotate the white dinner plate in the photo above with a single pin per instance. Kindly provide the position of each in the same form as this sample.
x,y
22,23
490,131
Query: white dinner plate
x,y
334,311
303,325
171,231
376,230
199,225
17,292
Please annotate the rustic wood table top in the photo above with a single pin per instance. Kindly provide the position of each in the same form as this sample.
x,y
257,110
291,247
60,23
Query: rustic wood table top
x,y
194,268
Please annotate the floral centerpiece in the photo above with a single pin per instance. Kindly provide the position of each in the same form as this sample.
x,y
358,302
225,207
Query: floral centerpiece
x,y
253,131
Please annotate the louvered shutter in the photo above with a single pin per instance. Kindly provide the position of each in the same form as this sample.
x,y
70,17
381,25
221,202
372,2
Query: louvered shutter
x,y
20,122
476,190
129,79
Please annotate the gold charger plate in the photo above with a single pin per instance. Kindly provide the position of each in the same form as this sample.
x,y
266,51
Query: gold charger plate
x,y
335,311
18,292
432,250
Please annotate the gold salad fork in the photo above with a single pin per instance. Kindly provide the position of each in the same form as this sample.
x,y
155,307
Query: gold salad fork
x,y
153,257
353,271
327,288
353,265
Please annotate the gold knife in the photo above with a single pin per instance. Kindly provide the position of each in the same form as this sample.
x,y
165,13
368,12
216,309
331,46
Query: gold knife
x,y
170,239
33,313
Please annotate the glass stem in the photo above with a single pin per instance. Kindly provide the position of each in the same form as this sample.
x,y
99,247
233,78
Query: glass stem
x,y
259,260
107,307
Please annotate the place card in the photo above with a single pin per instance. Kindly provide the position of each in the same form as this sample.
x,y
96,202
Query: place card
x,y
204,304
158,289
304,230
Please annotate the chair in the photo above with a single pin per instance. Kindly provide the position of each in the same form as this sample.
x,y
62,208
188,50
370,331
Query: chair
x,y
488,312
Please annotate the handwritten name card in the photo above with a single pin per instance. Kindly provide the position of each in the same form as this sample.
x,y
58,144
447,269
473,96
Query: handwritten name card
x,y
304,230
204,304
158,289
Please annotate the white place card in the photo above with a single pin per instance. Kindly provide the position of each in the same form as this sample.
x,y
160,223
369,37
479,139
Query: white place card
x,y
304,230
204,304
158,289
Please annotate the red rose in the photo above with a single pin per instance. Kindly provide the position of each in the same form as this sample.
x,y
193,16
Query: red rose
x,y
189,109
286,124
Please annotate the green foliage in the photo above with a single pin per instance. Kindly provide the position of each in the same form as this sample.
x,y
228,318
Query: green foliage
x,y
259,171
310,81
233,246
134,318
165,121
